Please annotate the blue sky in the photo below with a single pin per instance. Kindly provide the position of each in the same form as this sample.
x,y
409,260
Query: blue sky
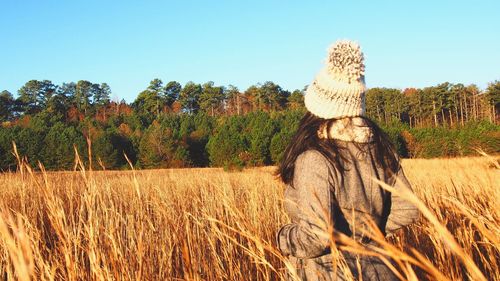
x,y
128,43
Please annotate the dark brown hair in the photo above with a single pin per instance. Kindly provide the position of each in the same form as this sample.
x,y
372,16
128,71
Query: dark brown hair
x,y
306,138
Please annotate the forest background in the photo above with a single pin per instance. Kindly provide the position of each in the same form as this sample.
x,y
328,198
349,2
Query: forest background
x,y
198,125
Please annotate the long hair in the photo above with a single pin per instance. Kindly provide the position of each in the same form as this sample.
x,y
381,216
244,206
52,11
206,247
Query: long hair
x,y
306,138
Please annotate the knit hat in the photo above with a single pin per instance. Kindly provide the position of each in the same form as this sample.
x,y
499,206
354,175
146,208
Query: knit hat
x,y
338,90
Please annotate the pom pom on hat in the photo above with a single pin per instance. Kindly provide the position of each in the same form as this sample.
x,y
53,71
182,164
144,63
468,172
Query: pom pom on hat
x,y
345,61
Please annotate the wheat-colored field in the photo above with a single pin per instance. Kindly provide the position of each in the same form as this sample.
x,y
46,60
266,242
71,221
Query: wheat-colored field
x,y
208,224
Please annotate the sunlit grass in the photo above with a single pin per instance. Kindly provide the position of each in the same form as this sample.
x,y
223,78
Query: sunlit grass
x,y
208,224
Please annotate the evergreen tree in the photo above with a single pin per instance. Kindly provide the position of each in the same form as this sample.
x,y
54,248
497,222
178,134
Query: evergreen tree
x,y
273,96
189,97
59,149
7,159
261,129
83,95
101,94
7,103
171,91
67,92
227,146
34,95
109,150
288,125
151,101
211,98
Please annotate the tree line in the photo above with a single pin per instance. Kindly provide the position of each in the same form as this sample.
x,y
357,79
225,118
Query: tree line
x,y
170,125
87,99
444,104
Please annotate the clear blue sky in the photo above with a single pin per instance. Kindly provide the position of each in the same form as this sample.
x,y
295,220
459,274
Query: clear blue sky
x,y
128,43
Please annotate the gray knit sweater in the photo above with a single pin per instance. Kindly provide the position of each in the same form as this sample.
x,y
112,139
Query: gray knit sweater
x,y
321,196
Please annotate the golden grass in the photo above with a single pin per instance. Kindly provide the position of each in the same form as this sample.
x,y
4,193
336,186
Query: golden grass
x,y
207,224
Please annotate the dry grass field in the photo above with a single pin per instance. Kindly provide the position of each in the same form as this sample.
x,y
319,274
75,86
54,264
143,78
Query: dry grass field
x,y
208,224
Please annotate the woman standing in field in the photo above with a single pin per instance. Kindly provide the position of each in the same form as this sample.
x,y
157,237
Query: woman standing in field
x,y
329,168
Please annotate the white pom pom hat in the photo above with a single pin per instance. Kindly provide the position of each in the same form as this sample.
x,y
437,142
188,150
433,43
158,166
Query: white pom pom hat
x,y
338,90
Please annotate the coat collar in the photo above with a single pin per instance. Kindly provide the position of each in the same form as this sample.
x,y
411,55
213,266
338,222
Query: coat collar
x,y
354,129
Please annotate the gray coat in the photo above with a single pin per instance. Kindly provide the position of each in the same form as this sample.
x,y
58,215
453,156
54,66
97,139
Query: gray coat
x,y
321,196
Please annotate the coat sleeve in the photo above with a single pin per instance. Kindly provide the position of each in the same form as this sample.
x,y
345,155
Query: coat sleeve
x,y
308,237
402,212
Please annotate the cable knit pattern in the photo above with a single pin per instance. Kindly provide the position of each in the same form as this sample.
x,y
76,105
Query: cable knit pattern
x,y
339,87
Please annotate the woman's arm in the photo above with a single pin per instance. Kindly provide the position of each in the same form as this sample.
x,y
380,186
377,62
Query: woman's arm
x,y
308,237
402,212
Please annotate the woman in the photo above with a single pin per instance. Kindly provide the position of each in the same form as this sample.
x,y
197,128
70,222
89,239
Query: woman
x,y
329,168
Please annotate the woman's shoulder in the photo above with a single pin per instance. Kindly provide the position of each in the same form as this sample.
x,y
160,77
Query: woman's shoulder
x,y
312,157
311,153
